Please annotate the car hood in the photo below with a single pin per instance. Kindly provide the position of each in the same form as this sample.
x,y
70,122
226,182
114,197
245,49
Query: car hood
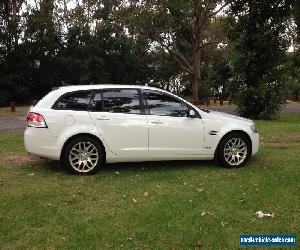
x,y
225,116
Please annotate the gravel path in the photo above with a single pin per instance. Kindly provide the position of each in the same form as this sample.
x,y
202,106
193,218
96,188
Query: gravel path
x,y
19,123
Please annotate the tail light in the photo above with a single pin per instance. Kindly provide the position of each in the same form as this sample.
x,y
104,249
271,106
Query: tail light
x,y
36,120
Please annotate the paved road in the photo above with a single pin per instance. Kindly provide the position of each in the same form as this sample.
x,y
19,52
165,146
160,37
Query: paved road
x,y
292,108
19,123
12,123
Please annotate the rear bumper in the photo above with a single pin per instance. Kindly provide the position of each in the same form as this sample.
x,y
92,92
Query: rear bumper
x,y
255,142
40,142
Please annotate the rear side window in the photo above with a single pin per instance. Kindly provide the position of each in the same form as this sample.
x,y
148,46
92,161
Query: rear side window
x,y
79,100
117,101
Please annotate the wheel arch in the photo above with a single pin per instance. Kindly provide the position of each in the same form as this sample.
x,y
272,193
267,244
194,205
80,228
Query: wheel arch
x,y
81,134
232,132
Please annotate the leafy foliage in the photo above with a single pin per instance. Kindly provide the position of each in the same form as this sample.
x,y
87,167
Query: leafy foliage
x,y
181,46
84,46
255,32
185,29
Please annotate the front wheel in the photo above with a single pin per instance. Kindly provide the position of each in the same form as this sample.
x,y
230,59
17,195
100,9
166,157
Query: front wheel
x,y
234,150
83,155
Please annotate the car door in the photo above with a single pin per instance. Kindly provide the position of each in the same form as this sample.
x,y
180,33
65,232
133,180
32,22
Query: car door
x,y
119,117
171,131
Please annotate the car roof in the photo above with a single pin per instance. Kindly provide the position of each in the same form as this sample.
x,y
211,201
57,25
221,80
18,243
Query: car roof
x,y
102,86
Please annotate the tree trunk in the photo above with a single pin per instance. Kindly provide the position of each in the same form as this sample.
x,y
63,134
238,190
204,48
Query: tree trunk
x,y
196,79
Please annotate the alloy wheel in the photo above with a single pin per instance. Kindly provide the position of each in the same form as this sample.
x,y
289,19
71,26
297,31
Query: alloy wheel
x,y
235,151
83,157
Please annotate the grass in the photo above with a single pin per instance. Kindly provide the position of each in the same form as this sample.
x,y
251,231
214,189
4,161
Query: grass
x,y
43,207
20,110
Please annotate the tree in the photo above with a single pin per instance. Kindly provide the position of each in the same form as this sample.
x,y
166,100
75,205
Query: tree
x,y
218,72
43,40
256,37
12,54
10,19
179,27
294,62
55,45
296,14
102,53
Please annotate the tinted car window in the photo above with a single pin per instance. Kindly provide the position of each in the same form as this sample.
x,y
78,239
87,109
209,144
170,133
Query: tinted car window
x,y
96,104
75,101
162,104
117,101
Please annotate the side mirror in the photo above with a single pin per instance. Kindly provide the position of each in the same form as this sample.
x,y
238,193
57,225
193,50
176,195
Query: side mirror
x,y
192,113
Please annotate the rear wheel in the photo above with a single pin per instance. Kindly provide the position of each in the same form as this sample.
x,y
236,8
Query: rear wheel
x,y
84,155
234,150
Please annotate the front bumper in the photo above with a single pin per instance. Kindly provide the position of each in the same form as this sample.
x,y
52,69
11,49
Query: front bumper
x,y
255,142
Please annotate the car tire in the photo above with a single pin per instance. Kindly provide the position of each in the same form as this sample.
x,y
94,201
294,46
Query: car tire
x,y
83,155
234,150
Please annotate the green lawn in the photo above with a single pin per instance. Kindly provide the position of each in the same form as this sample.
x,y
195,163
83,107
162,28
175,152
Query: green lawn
x,y
189,205
20,110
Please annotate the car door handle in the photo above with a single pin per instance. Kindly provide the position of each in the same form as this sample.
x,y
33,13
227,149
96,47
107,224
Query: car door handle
x,y
102,118
156,122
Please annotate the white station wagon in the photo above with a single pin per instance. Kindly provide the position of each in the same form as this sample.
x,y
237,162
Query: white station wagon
x,y
87,126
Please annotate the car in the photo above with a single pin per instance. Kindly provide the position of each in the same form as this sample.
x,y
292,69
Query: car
x,y
86,126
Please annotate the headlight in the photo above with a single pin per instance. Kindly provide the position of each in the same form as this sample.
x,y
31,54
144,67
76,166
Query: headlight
x,y
253,128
